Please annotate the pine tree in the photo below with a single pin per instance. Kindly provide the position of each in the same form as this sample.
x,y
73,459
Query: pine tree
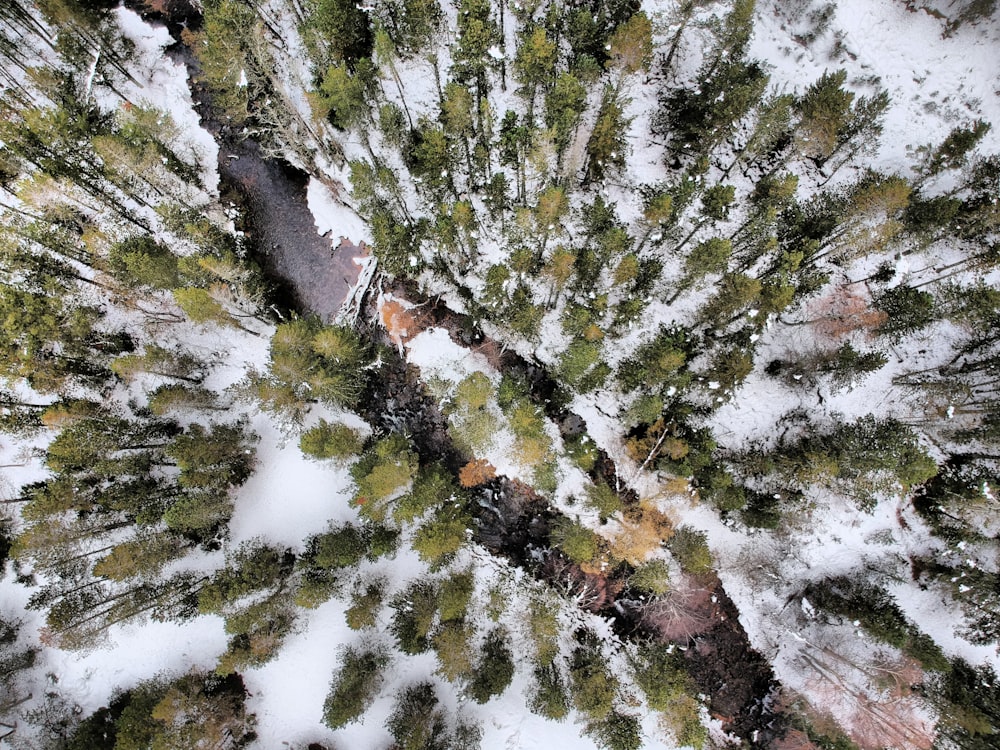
x,y
494,669
354,686
606,148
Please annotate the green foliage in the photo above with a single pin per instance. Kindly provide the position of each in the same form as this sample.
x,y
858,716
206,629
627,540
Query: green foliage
x,y
631,45
690,547
143,557
954,149
581,366
366,601
354,686
253,567
330,440
535,60
177,396
311,361
417,723
908,309
617,731
698,119
543,626
716,200
413,616
214,458
429,156
409,24
708,257
473,391
494,669
342,547
456,593
221,48
453,646
338,31
192,710
142,261
848,363
593,688
564,103
159,361
825,109
577,542
199,516
527,422
258,631
967,699
660,672
868,450
730,367
433,486
603,499
201,307
387,467
658,364
606,148
734,292
582,450
347,92
857,598
549,697
477,32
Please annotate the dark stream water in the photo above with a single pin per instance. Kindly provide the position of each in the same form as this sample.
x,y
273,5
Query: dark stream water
x,y
281,228
271,193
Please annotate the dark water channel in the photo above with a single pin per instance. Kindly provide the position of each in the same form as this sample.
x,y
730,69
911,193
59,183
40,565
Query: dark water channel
x,y
271,193
280,228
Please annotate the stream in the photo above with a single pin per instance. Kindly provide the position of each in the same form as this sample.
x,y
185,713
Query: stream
x,y
512,521
312,276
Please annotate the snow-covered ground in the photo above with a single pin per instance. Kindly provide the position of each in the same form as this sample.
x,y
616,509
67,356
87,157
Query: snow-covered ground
x,y
935,82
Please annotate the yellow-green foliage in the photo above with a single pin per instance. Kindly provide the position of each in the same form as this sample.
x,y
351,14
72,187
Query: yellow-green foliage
x,y
652,577
527,422
456,592
221,50
442,535
580,544
330,440
593,686
543,625
383,470
452,644
661,675
473,421
690,547
473,392
366,601
603,499
433,486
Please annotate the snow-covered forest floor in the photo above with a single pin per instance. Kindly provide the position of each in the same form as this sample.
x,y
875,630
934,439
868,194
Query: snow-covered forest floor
x,y
574,421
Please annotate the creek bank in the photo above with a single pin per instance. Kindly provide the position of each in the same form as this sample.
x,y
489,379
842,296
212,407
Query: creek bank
x,y
514,521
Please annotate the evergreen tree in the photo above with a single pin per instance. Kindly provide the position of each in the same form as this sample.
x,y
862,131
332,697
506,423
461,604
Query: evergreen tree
x,y
606,148
354,686
495,668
